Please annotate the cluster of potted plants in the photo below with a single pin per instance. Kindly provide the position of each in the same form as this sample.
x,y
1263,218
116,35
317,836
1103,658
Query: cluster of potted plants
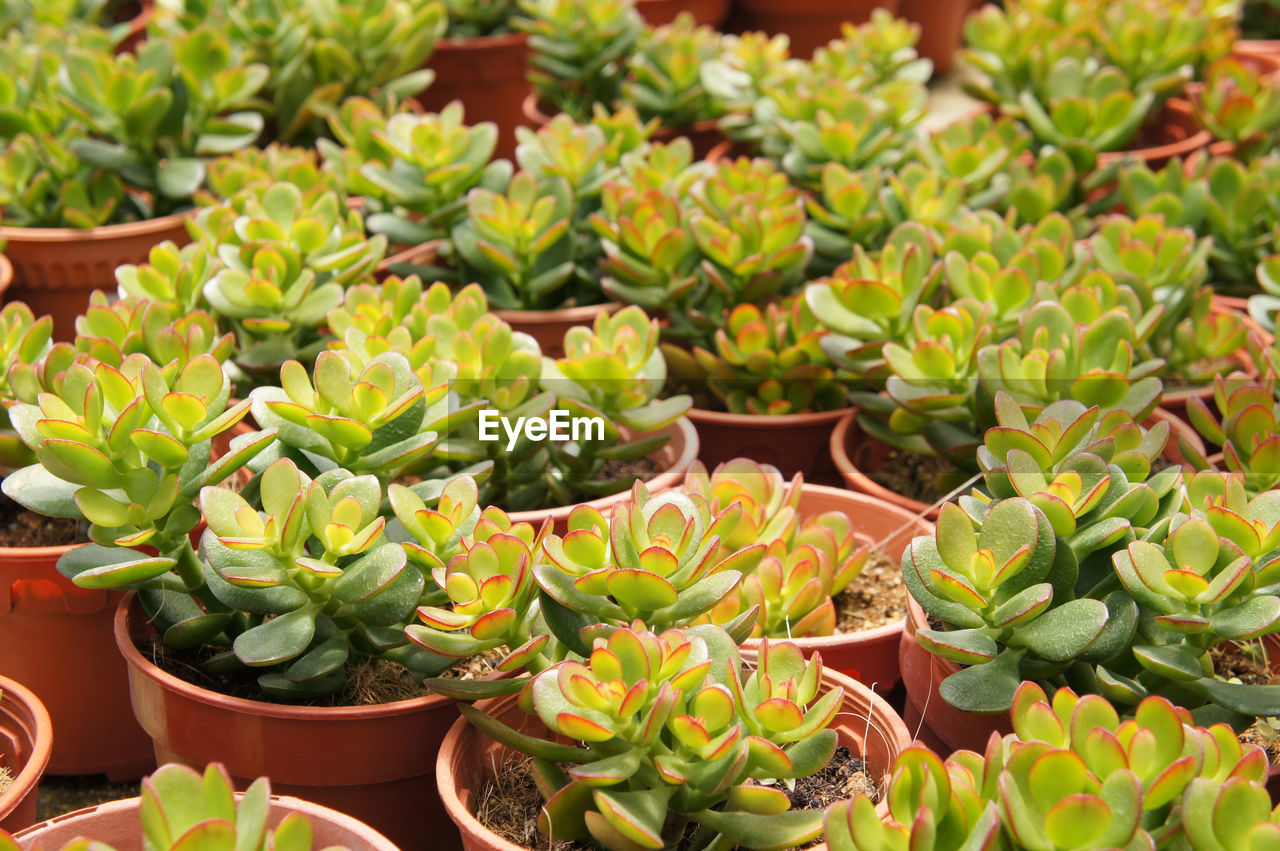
x,y
480,484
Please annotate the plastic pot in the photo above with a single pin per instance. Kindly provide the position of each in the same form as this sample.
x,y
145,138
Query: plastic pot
x,y
372,762
941,29
1171,132
866,725
137,29
794,443
675,459
118,824
548,327
26,740
659,12
869,656
56,269
704,136
809,23
488,75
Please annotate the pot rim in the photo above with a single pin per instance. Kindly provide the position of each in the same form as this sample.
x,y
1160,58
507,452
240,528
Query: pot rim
x,y
531,108
1196,141
473,43
168,682
724,418
28,777
25,236
559,315
314,812
664,480
1179,398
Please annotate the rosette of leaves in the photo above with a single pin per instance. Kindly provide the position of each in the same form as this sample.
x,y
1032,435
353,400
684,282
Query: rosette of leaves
x,y
812,118
579,51
673,730
1072,775
767,362
309,580
846,212
1242,422
152,117
977,151
881,50
285,260
419,170
171,275
1238,104
255,170
1013,47
871,300
746,65
182,808
368,417
664,72
129,449
1159,50
109,331
518,245
24,342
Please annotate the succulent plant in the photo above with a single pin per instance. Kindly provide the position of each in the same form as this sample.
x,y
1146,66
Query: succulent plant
x,y
976,151
171,275
1244,426
517,243
768,362
881,50
1073,775
256,170
479,18
664,72
1237,104
284,260
129,449
579,51
24,342
846,211
110,331
183,808
709,729
746,65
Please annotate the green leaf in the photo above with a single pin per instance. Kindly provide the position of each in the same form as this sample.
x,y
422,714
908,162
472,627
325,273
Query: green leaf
x,y
528,745
180,178
278,639
791,829
985,688
96,566
1062,633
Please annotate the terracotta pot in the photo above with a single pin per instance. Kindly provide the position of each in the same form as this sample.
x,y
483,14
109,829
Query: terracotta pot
x,y
548,327
869,656
809,23
922,673
373,762
941,29
854,451
794,443
6,274
1251,47
488,75
704,136
1175,401
659,12
137,29
469,759
419,255
1178,429
675,459
55,269
118,824
26,739
1172,132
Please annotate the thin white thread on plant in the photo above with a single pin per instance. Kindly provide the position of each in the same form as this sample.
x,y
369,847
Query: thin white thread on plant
x,y
884,740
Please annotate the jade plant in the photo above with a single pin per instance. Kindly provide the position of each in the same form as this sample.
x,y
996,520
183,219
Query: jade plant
x,y
109,331
24,343
129,449
1239,105
1047,572
183,808
673,731
664,73
479,18
579,51
1072,774
317,55
808,560
1242,422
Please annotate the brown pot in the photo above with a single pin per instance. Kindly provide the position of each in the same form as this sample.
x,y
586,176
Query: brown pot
x,y
6,274
419,255
488,75
26,739
659,12
941,29
1172,132
1178,429
794,443
854,451
675,459
870,656
58,641
865,724
55,269
118,824
704,136
922,673
809,23
373,762
548,327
